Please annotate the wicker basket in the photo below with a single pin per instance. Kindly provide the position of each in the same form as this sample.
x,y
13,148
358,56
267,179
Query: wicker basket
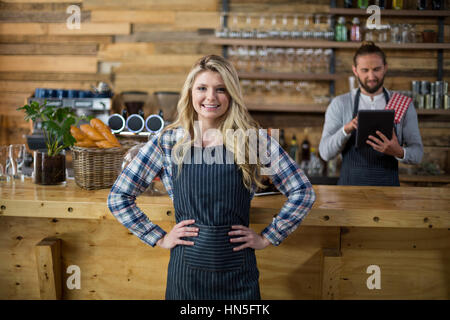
x,y
97,168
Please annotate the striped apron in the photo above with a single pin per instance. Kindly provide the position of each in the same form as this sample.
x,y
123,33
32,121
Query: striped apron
x,y
364,166
215,197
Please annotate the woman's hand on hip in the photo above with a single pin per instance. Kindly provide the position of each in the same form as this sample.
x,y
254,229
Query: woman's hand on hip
x,y
180,230
250,238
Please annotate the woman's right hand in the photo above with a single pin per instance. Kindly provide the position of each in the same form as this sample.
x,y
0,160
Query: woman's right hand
x,y
180,230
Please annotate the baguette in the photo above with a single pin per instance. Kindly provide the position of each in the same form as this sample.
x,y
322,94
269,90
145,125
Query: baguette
x,y
77,134
88,143
105,144
105,131
92,133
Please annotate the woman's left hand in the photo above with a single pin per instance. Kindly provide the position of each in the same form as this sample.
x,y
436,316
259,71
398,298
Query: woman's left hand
x,y
251,239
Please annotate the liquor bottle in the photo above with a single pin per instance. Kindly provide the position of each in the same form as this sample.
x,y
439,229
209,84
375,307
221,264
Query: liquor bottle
x,y
397,4
348,4
283,143
363,4
355,34
437,4
294,149
421,4
341,30
380,3
306,147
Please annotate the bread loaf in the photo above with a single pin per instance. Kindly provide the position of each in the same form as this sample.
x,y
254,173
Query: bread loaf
x,y
92,133
88,143
105,131
105,144
77,134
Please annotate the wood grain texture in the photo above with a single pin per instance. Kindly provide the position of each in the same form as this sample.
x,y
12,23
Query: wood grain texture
x,y
48,262
335,206
48,64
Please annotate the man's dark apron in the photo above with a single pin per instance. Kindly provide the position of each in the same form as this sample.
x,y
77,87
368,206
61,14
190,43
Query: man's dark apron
x,y
364,166
215,196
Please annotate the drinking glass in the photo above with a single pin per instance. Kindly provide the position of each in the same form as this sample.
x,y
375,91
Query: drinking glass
x,y
285,33
295,33
274,29
262,32
307,30
17,158
4,163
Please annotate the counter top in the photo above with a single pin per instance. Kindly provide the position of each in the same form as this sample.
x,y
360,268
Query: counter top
x,y
395,207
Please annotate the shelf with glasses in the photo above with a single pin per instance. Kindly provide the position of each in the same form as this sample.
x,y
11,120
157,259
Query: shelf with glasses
x,y
288,76
323,44
391,12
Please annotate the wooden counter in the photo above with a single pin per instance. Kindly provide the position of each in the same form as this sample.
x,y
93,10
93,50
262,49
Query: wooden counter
x,y
404,231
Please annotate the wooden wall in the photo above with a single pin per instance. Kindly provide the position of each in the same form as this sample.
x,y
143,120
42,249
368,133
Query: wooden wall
x,y
150,45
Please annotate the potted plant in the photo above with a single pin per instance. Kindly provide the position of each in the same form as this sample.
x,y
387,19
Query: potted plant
x,y
50,165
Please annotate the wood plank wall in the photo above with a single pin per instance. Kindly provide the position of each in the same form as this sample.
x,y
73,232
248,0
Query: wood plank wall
x,y
150,45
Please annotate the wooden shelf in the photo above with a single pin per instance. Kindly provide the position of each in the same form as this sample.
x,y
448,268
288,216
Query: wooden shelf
x,y
392,12
323,44
288,76
321,108
416,178
433,112
305,108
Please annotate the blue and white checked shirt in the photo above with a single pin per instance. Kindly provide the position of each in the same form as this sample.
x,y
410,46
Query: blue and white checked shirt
x,y
153,160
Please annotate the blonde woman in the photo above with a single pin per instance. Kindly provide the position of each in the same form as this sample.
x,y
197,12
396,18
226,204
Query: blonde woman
x,y
211,246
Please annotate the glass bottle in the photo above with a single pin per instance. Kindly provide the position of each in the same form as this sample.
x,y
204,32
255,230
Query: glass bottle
x,y
355,34
397,4
306,147
363,4
293,149
380,3
348,3
341,30
421,4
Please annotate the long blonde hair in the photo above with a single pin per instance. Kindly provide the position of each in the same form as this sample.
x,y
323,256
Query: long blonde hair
x,y
235,118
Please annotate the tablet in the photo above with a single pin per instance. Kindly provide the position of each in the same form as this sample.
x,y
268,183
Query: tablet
x,y
369,121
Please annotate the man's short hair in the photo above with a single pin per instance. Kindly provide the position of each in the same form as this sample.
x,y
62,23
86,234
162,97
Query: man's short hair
x,y
368,47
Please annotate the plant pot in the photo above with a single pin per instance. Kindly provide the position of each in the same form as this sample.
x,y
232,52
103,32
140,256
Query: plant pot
x,y
49,170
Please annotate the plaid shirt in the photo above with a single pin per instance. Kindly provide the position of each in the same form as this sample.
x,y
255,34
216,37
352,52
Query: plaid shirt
x,y
153,160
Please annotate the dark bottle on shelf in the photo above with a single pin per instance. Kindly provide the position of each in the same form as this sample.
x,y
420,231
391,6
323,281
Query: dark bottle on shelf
x,y
283,143
437,5
306,146
380,3
294,149
348,4
421,4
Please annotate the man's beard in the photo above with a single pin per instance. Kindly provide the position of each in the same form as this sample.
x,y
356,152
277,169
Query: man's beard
x,y
369,89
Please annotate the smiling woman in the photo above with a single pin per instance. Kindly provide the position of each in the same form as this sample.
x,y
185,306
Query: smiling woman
x,y
212,248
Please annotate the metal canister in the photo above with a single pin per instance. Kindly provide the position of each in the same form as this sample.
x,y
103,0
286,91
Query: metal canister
x,y
425,87
415,86
445,89
420,101
438,100
429,101
432,88
446,102
439,88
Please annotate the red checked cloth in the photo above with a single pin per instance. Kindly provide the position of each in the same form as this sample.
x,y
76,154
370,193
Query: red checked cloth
x,y
399,103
